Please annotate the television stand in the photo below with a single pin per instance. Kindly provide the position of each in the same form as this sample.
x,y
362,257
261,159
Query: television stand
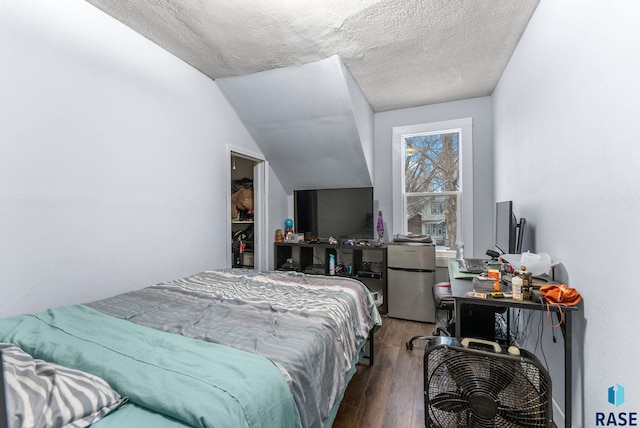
x,y
368,262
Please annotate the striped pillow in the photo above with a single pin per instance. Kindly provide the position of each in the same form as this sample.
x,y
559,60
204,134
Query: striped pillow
x,y
44,394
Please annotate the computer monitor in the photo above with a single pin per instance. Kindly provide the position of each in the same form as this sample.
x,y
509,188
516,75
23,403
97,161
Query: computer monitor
x,y
521,229
509,231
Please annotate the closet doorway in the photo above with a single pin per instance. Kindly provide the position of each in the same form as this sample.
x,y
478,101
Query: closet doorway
x,y
246,210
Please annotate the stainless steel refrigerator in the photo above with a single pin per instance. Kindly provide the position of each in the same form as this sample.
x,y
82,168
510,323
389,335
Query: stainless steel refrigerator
x,y
411,275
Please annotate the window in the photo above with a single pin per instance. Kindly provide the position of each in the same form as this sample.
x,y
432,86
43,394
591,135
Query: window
x,y
432,185
437,208
428,171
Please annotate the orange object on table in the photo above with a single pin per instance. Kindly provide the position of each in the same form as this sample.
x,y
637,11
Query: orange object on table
x,y
495,274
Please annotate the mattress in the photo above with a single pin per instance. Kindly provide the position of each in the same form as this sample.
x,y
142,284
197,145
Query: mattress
x,y
312,327
219,348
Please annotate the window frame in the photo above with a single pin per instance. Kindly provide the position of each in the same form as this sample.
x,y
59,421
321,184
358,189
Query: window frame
x,y
465,199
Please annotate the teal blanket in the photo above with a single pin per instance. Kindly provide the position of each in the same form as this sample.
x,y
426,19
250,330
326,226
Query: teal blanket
x,y
198,383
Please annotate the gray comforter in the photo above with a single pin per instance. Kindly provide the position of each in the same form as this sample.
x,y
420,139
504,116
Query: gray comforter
x,y
311,327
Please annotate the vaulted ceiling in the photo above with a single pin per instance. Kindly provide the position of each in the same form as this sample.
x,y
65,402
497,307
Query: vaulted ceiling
x,y
391,54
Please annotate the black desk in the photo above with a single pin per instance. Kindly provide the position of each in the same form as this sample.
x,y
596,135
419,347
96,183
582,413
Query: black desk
x,y
462,284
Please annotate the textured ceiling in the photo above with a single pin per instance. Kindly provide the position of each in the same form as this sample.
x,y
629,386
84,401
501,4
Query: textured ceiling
x,y
401,53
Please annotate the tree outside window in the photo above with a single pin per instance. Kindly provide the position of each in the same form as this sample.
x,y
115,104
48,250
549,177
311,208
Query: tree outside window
x,y
432,185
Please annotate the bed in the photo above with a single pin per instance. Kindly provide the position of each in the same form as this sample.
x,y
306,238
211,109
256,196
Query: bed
x,y
219,348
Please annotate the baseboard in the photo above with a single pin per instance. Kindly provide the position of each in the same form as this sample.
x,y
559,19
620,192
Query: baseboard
x,y
558,414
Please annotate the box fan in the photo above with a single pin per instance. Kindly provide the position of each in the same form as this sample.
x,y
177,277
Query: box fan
x,y
475,383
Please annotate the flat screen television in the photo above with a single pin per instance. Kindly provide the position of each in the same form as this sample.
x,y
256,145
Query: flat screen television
x,y
345,213
509,231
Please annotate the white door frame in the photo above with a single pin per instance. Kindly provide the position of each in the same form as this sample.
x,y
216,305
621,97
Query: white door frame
x,y
259,203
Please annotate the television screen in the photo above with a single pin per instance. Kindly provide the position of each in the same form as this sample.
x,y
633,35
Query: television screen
x,y
340,213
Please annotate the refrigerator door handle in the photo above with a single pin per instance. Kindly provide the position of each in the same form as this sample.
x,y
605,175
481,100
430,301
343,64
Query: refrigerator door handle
x,y
410,270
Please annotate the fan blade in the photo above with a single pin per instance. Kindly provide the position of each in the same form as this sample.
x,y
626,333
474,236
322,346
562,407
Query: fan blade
x,y
506,372
459,370
529,417
477,421
499,377
449,402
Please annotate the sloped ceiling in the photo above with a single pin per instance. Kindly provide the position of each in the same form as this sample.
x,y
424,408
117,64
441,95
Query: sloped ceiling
x,y
276,61
304,121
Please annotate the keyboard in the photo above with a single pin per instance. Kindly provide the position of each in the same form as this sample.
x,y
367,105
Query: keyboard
x,y
472,265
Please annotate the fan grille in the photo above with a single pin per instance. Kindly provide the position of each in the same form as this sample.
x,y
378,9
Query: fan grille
x,y
464,388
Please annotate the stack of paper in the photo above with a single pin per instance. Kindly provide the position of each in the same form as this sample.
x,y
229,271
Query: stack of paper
x,y
483,284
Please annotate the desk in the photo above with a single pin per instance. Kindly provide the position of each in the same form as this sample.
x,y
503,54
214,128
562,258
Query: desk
x,y
460,284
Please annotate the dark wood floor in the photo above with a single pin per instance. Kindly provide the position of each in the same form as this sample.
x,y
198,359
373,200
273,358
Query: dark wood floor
x,y
389,393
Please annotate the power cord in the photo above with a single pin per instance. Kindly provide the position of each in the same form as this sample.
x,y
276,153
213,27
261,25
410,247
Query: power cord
x,y
521,330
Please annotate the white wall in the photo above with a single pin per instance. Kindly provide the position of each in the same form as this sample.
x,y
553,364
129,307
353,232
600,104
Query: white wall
x,y
566,122
479,109
365,118
112,159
